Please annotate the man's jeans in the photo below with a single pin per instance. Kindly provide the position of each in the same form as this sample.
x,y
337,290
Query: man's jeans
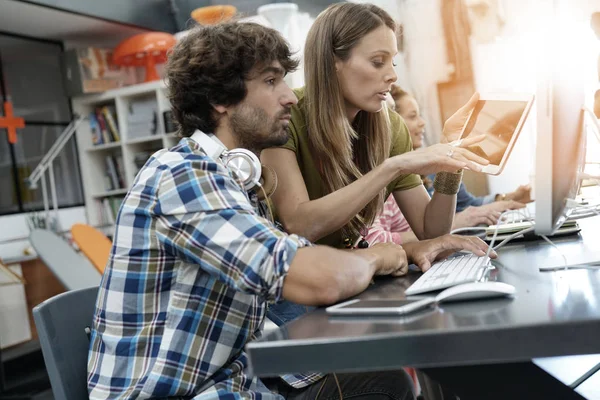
x,y
388,385
385,385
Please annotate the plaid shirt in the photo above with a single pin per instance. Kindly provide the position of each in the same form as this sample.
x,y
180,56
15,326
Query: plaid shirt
x,y
190,273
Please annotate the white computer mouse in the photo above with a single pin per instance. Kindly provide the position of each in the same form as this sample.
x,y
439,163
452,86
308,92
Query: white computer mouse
x,y
476,290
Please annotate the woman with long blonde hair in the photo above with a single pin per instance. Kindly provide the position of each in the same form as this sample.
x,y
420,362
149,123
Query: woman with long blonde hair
x,y
341,161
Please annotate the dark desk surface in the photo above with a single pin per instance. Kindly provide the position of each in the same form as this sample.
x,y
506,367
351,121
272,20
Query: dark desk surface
x,y
553,314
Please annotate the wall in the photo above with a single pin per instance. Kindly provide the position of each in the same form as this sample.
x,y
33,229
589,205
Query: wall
x,y
151,14
507,63
158,14
510,63
423,62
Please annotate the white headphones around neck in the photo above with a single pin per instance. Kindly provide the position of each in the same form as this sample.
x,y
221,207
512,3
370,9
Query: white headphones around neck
x,y
243,163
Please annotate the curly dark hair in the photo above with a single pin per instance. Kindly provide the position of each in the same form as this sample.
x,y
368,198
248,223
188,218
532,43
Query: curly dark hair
x,y
210,66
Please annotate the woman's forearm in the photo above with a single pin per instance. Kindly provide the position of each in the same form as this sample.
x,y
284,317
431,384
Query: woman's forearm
x,y
408,237
439,215
318,218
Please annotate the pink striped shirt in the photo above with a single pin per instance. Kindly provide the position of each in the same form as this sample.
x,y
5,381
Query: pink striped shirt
x,y
389,224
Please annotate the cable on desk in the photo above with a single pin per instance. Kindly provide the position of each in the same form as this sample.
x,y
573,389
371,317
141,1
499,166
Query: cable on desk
x,y
499,223
594,209
514,235
584,377
557,249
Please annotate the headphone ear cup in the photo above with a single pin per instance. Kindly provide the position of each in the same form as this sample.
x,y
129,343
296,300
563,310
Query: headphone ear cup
x,y
268,180
245,165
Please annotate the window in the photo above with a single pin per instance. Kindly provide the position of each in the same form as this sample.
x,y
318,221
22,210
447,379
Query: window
x,y
30,77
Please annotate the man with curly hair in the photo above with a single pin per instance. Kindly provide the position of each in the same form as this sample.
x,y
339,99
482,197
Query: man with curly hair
x,y
194,261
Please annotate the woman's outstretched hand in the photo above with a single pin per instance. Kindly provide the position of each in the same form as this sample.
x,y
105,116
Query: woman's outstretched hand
x,y
442,157
454,125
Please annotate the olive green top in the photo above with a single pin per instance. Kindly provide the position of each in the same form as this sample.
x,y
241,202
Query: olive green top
x,y
299,144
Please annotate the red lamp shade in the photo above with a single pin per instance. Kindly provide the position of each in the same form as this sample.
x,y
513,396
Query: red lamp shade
x,y
145,49
212,15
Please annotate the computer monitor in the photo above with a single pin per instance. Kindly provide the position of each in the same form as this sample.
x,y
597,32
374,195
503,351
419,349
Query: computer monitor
x,y
561,142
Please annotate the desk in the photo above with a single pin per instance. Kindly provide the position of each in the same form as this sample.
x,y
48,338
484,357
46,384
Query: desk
x,y
553,314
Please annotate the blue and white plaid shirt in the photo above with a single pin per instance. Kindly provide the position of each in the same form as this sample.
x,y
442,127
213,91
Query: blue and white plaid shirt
x,y
190,273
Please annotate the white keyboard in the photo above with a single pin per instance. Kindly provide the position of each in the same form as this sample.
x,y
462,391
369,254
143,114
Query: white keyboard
x,y
451,272
521,215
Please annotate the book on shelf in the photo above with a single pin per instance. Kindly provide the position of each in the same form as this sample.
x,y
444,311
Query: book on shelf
x,y
108,209
106,136
120,170
96,131
103,126
169,122
115,172
105,212
142,118
108,112
141,157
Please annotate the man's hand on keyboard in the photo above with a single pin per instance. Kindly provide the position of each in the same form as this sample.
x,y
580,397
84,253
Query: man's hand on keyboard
x,y
425,252
487,214
392,259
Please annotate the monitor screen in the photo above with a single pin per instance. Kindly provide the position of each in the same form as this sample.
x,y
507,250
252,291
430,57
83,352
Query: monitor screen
x,y
560,143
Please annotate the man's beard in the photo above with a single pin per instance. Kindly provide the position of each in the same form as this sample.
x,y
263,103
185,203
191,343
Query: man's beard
x,y
255,130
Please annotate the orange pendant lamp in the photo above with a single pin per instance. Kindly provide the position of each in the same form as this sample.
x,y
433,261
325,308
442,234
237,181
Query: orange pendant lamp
x,y
212,15
144,50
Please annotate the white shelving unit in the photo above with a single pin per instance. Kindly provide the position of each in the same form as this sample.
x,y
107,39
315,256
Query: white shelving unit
x,y
92,158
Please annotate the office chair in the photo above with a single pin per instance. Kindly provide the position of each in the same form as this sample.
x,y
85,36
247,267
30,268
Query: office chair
x,y
72,270
93,243
61,322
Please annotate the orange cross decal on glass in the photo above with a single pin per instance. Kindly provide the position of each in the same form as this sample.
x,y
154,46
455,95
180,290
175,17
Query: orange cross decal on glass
x,y
10,122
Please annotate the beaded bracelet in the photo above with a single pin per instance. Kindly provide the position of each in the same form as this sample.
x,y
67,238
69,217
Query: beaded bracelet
x,y
448,182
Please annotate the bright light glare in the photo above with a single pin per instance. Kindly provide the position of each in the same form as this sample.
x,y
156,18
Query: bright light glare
x,y
566,42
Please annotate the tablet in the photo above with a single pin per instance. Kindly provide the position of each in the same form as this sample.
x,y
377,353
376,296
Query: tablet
x,y
500,117
380,307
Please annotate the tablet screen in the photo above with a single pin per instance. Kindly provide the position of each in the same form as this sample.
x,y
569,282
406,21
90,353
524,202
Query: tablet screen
x,y
498,120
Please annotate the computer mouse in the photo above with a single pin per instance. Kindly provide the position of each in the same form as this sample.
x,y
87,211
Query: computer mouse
x,y
476,290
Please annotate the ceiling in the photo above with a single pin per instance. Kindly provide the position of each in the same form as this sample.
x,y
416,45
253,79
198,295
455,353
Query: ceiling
x,y
27,19
249,7
105,23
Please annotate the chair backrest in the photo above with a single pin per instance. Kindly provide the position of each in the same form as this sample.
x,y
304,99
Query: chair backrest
x,y
72,270
93,243
61,322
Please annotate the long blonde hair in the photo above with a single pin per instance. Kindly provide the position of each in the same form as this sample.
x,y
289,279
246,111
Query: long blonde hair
x,y
344,151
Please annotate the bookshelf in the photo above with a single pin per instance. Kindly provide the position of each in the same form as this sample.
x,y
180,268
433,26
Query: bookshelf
x,y
125,127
